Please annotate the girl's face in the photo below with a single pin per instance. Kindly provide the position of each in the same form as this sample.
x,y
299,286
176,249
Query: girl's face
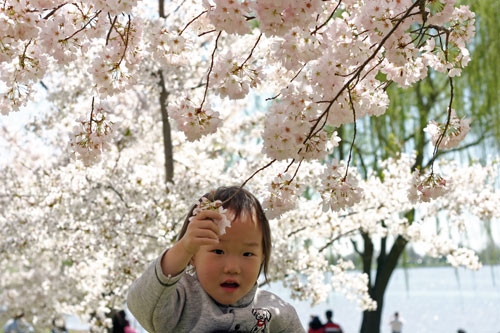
x,y
229,270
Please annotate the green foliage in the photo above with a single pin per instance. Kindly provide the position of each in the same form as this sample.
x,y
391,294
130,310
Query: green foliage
x,y
435,6
478,90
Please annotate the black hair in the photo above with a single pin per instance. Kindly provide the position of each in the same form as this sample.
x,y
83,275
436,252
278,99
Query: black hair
x,y
329,314
315,323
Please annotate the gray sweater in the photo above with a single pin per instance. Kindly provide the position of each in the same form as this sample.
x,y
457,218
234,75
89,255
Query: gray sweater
x,y
180,304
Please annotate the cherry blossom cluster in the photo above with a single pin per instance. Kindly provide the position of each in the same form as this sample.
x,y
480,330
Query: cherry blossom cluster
x,y
114,66
229,15
427,187
278,17
114,7
288,125
168,46
296,48
194,121
456,130
37,35
275,17
205,204
234,79
339,191
282,195
92,136
441,245
339,49
464,257
460,30
354,286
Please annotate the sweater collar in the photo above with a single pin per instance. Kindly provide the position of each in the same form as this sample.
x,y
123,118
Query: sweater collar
x,y
247,299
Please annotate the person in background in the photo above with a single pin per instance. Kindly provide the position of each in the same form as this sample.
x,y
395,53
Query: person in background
x,y
121,324
330,326
396,323
18,324
315,325
58,326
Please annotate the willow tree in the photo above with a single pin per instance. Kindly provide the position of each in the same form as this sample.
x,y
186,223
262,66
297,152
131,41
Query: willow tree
x,y
477,94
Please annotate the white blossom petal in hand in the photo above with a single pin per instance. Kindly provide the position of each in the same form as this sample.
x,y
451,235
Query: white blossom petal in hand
x,y
216,205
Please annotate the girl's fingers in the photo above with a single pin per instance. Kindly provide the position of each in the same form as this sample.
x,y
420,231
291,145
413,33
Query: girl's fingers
x,y
208,214
204,224
205,234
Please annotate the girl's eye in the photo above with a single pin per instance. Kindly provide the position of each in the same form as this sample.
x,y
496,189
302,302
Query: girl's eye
x,y
248,254
217,251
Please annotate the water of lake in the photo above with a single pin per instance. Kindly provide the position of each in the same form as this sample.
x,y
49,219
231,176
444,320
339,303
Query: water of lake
x,y
437,300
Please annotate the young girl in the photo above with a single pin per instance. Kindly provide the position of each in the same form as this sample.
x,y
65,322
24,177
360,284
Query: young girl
x,y
223,295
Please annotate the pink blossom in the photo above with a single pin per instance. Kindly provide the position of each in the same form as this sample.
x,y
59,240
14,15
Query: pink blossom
x,y
455,132
193,121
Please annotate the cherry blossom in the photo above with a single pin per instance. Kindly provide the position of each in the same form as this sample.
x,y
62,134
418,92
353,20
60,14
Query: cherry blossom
x,y
456,130
427,187
323,64
194,121
339,191
217,206
92,136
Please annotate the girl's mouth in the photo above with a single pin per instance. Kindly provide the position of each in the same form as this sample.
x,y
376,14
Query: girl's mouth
x,y
229,285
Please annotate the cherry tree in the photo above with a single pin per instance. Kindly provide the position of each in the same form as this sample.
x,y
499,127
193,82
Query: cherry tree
x,y
113,68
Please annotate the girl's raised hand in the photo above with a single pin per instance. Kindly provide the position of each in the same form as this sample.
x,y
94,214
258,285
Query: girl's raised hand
x,y
202,230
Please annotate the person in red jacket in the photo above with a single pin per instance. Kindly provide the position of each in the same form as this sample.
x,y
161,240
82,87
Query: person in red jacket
x,y
315,325
330,326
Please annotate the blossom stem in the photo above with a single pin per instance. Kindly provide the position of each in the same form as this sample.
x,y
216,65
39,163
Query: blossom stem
x,y
289,165
353,137
111,28
296,170
82,28
327,20
448,120
250,55
189,23
54,10
210,70
126,44
207,32
331,241
248,179
91,116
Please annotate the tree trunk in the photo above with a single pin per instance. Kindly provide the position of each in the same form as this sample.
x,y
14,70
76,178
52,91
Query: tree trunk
x,y
386,263
372,319
167,138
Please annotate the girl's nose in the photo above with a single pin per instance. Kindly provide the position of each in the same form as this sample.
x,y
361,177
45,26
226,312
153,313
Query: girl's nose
x,y
231,266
